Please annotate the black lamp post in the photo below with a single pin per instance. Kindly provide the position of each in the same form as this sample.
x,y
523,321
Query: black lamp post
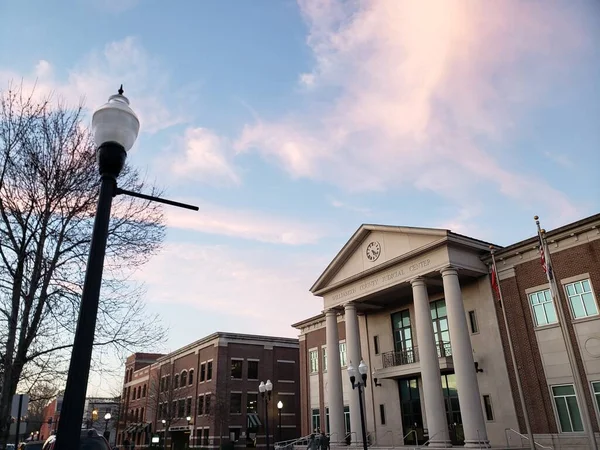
x,y
115,128
360,385
265,391
279,408
107,418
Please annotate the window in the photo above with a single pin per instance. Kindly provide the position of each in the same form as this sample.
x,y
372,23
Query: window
x,y
347,419
200,407
234,434
316,420
382,414
142,415
202,372
173,411
487,404
473,322
167,382
342,354
176,381
181,408
327,420
188,407
162,384
207,401
236,369
205,434
376,344
183,378
251,403
596,389
253,370
235,404
191,377
567,408
581,299
144,392
543,308
209,371
313,357
324,351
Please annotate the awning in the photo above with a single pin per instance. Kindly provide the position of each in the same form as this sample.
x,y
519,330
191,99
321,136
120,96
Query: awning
x,y
253,420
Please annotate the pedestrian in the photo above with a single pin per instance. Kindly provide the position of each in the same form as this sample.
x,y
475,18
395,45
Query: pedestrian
x,y
313,442
324,441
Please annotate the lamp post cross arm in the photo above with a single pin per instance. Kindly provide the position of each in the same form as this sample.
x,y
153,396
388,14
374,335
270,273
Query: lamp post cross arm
x,y
152,198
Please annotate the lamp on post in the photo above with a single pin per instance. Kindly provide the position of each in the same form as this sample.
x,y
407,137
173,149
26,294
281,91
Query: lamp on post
x,y
265,391
164,424
279,408
115,128
360,385
107,417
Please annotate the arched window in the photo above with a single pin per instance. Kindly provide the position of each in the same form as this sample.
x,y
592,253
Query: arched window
x,y
142,415
139,392
183,378
144,391
137,414
191,377
176,382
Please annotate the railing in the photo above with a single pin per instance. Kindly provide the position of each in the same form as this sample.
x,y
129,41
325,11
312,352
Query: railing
x,y
290,443
411,355
522,436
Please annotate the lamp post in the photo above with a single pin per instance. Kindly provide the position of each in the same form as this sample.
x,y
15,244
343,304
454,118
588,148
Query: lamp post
x,y
115,128
360,385
164,424
107,417
279,408
265,391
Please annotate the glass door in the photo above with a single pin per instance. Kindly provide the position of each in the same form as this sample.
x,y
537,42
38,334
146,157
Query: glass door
x,y
457,435
410,406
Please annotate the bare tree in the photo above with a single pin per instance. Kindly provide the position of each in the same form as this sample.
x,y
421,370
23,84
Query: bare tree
x,y
219,412
163,401
48,197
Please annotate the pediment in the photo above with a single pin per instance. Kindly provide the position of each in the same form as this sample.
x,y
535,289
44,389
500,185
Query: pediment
x,y
374,245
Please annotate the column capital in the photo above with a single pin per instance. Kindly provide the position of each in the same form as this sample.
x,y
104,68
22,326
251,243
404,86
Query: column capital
x,y
449,270
349,306
418,281
330,312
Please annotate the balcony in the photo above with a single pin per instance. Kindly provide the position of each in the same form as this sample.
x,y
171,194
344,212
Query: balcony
x,y
406,362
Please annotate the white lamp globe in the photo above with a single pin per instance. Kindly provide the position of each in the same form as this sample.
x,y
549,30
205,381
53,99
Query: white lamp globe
x,y
116,122
362,368
269,385
261,387
351,370
107,416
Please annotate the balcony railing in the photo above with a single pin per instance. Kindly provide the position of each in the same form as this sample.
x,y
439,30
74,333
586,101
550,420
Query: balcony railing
x,y
411,355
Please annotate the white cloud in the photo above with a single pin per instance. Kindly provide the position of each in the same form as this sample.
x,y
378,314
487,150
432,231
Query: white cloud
x,y
245,224
206,157
418,84
100,73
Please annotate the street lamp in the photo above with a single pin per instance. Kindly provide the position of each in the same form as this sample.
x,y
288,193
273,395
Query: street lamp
x,y
360,385
265,391
107,417
115,128
279,408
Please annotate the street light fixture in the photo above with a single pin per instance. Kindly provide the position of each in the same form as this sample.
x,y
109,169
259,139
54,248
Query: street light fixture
x,y
107,417
265,391
360,385
115,128
279,408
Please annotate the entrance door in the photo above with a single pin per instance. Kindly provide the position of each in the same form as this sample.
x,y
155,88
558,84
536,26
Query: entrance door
x,y
410,405
457,435
403,343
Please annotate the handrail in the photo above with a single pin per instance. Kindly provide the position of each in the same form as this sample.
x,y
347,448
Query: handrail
x,y
409,433
429,440
291,441
355,437
522,436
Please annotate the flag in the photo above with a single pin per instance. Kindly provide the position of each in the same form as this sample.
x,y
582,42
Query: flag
x,y
494,278
544,260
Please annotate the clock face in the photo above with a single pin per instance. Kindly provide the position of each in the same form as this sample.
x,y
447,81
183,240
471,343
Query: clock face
x,y
373,251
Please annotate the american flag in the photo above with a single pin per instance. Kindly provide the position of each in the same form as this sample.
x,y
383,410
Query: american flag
x,y
494,278
545,265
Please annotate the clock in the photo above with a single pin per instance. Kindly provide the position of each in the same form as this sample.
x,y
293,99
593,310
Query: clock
x,y
373,251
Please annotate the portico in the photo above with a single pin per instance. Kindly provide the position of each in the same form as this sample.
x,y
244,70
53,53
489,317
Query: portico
x,y
382,268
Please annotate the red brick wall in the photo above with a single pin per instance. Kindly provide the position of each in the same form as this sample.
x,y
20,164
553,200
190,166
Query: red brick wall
x,y
570,262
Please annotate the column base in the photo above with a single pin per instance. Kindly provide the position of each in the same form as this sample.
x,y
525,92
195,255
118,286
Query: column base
x,y
477,444
439,444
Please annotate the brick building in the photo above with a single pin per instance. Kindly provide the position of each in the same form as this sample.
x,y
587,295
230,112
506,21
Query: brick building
x,y
417,306
207,393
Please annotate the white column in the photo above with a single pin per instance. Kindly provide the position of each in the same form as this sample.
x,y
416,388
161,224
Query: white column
x,y
430,367
464,365
353,349
335,396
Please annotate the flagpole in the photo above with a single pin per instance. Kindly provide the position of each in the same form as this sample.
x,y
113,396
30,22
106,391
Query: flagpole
x,y
512,355
579,390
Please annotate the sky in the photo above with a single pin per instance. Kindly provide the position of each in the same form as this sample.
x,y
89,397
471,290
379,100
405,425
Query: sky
x,y
291,123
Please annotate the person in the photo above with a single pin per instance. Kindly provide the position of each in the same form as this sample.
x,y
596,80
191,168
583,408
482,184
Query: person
x,y
313,442
324,441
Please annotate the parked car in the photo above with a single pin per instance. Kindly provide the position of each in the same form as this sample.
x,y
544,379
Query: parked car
x,y
32,445
89,440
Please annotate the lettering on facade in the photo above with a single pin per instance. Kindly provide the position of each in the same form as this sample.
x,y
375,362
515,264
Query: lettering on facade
x,y
380,280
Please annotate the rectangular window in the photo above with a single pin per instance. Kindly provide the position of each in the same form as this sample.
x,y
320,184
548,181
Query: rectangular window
x,y
324,351
200,405
181,408
316,420
236,369
327,420
376,344
235,404
202,372
581,299
473,322
234,434
253,370
567,408
207,402
188,407
596,388
251,403
313,357
487,404
343,354
205,435
382,414
347,419
543,307
209,370
173,412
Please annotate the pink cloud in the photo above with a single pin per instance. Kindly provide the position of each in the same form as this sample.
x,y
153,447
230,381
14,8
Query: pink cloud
x,y
418,82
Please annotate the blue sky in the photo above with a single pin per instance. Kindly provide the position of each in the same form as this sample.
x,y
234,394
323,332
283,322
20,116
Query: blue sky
x,y
290,123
